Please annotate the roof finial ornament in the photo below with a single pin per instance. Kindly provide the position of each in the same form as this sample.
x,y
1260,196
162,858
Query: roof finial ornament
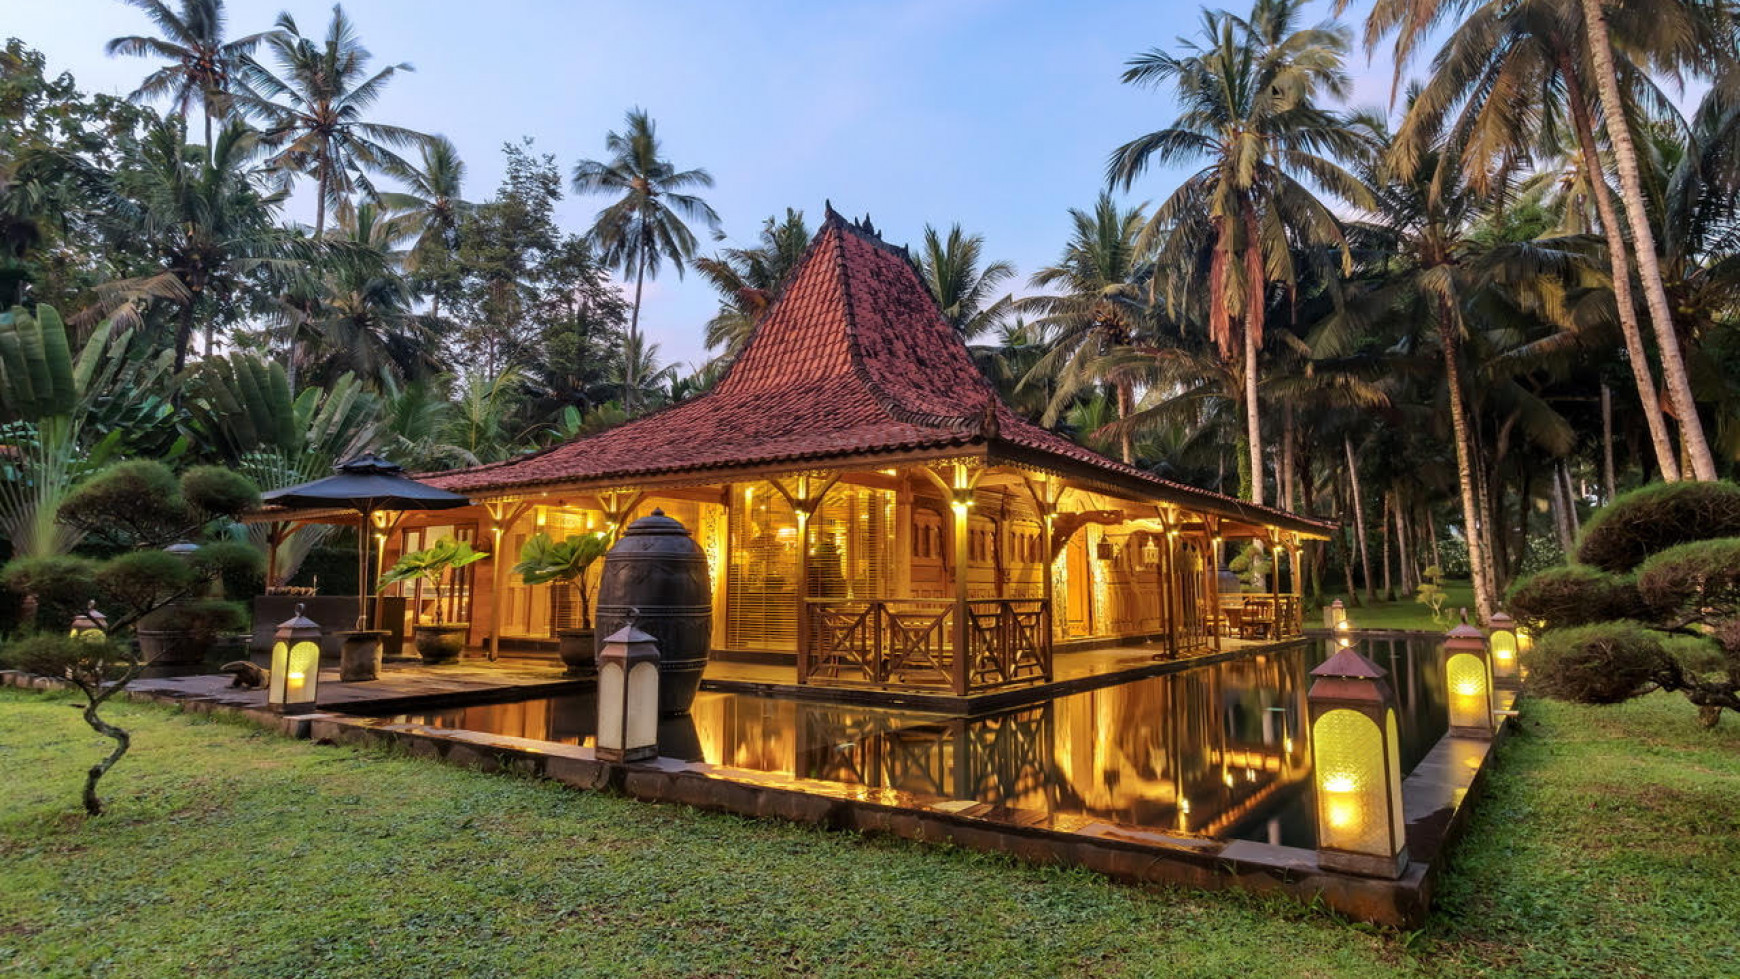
x,y
988,419
828,212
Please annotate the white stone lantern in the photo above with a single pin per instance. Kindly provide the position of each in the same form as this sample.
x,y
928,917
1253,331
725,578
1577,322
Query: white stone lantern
x,y
628,696
295,677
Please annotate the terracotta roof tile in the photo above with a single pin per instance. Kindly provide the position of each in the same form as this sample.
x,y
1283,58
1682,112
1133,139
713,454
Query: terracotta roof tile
x,y
854,359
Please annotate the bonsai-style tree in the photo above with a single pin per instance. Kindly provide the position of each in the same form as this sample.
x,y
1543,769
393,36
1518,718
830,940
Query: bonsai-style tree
x,y
543,561
431,564
1252,566
1431,591
1654,605
131,505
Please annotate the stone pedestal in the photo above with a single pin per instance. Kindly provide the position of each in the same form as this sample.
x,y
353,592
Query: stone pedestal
x,y
360,656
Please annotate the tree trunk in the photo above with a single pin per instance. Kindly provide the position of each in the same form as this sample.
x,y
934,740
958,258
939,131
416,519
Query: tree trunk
x,y
1253,429
1384,552
1679,386
1289,479
1403,561
632,352
1620,271
1561,522
1126,399
94,700
184,331
1479,567
1575,525
1609,482
1359,518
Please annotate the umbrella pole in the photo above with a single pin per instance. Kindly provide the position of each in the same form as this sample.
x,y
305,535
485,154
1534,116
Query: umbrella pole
x,y
362,570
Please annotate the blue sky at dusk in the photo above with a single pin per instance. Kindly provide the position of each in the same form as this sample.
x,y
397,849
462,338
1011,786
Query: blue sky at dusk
x,y
992,113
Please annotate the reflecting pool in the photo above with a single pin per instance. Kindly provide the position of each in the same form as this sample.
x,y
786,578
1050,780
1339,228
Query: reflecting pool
x,y
1218,751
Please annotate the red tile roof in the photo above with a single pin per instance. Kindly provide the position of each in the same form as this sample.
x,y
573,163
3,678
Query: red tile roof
x,y
854,360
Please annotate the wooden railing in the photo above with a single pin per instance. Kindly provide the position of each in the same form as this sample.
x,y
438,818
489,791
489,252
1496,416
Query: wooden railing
x,y
911,643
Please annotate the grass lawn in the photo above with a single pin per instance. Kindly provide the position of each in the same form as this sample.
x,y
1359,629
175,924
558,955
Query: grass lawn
x,y
1609,845
1404,612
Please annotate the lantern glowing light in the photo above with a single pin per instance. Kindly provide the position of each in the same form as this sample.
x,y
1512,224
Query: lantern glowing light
x,y
1506,644
90,625
295,680
628,695
1356,768
1468,679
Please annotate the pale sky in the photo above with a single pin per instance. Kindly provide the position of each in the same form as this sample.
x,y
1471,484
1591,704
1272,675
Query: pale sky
x,y
998,114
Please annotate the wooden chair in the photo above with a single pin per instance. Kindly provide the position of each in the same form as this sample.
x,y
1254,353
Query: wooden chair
x,y
1258,619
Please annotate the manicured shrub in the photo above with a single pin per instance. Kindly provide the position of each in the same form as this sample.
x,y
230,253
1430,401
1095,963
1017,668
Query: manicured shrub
x,y
1693,582
1604,663
61,584
216,491
1622,534
1574,595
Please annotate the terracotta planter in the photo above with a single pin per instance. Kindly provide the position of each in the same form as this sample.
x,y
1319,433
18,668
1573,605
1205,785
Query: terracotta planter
x,y
575,646
360,660
439,644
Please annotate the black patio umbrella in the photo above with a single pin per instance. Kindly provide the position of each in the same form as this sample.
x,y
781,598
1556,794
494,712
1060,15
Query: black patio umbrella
x,y
366,484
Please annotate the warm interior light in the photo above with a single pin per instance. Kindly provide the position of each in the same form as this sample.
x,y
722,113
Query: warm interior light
x,y
1470,706
1349,758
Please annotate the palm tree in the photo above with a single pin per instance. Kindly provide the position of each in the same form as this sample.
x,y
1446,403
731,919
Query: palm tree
x,y
748,280
205,221
950,267
313,110
1103,279
1538,47
202,65
1445,277
1249,92
1677,38
431,205
361,316
1708,50
644,228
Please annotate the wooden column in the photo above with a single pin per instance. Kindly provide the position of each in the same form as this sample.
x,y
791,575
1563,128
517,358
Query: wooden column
x,y
805,494
1211,582
502,514
958,488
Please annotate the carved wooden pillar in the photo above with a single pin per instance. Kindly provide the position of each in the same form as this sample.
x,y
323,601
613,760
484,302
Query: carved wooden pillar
x,y
805,494
502,514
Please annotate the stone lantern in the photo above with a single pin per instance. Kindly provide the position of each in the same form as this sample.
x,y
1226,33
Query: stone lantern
x,y
1468,681
90,625
295,665
628,696
1335,617
1506,641
1356,768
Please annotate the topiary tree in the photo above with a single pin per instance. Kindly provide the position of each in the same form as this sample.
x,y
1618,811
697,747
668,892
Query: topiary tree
x,y
1624,533
140,505
1573,595
1655,606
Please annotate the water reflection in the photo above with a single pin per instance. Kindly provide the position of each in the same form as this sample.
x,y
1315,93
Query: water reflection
x,y
1219,751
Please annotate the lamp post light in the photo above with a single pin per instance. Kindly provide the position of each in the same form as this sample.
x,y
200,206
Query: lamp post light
x,y
1356,768
295,665
1506,641
1468,680
90,625
628,695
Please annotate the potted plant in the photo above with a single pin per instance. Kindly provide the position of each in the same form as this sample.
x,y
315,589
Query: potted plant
x,y
438,641
543,561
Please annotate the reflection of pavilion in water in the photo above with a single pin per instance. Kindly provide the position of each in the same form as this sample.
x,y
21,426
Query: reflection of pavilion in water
x,y
1200,752
1217,751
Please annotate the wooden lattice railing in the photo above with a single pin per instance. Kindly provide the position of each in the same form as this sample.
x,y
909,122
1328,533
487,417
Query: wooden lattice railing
x,y
910,642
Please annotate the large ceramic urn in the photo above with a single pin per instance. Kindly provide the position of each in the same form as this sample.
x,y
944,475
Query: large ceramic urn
x,y
657,575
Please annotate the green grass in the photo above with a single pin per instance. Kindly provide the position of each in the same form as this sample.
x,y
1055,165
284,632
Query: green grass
x,y
1608,845
1404,612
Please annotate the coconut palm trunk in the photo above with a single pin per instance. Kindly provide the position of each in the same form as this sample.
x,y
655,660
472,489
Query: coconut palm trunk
x,y
1620,269
1478,561
1679,387
631,351
1359,517
1253,427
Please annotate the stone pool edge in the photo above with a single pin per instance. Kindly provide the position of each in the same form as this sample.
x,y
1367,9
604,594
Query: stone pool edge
x,y
1437,797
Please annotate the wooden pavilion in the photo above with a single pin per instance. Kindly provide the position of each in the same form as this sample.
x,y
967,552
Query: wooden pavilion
x,y
873,515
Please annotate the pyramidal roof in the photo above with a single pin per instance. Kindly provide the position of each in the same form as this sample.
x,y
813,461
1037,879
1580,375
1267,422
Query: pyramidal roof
x,y
853,362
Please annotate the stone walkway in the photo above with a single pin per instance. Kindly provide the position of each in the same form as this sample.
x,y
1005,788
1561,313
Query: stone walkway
x,y
401,685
